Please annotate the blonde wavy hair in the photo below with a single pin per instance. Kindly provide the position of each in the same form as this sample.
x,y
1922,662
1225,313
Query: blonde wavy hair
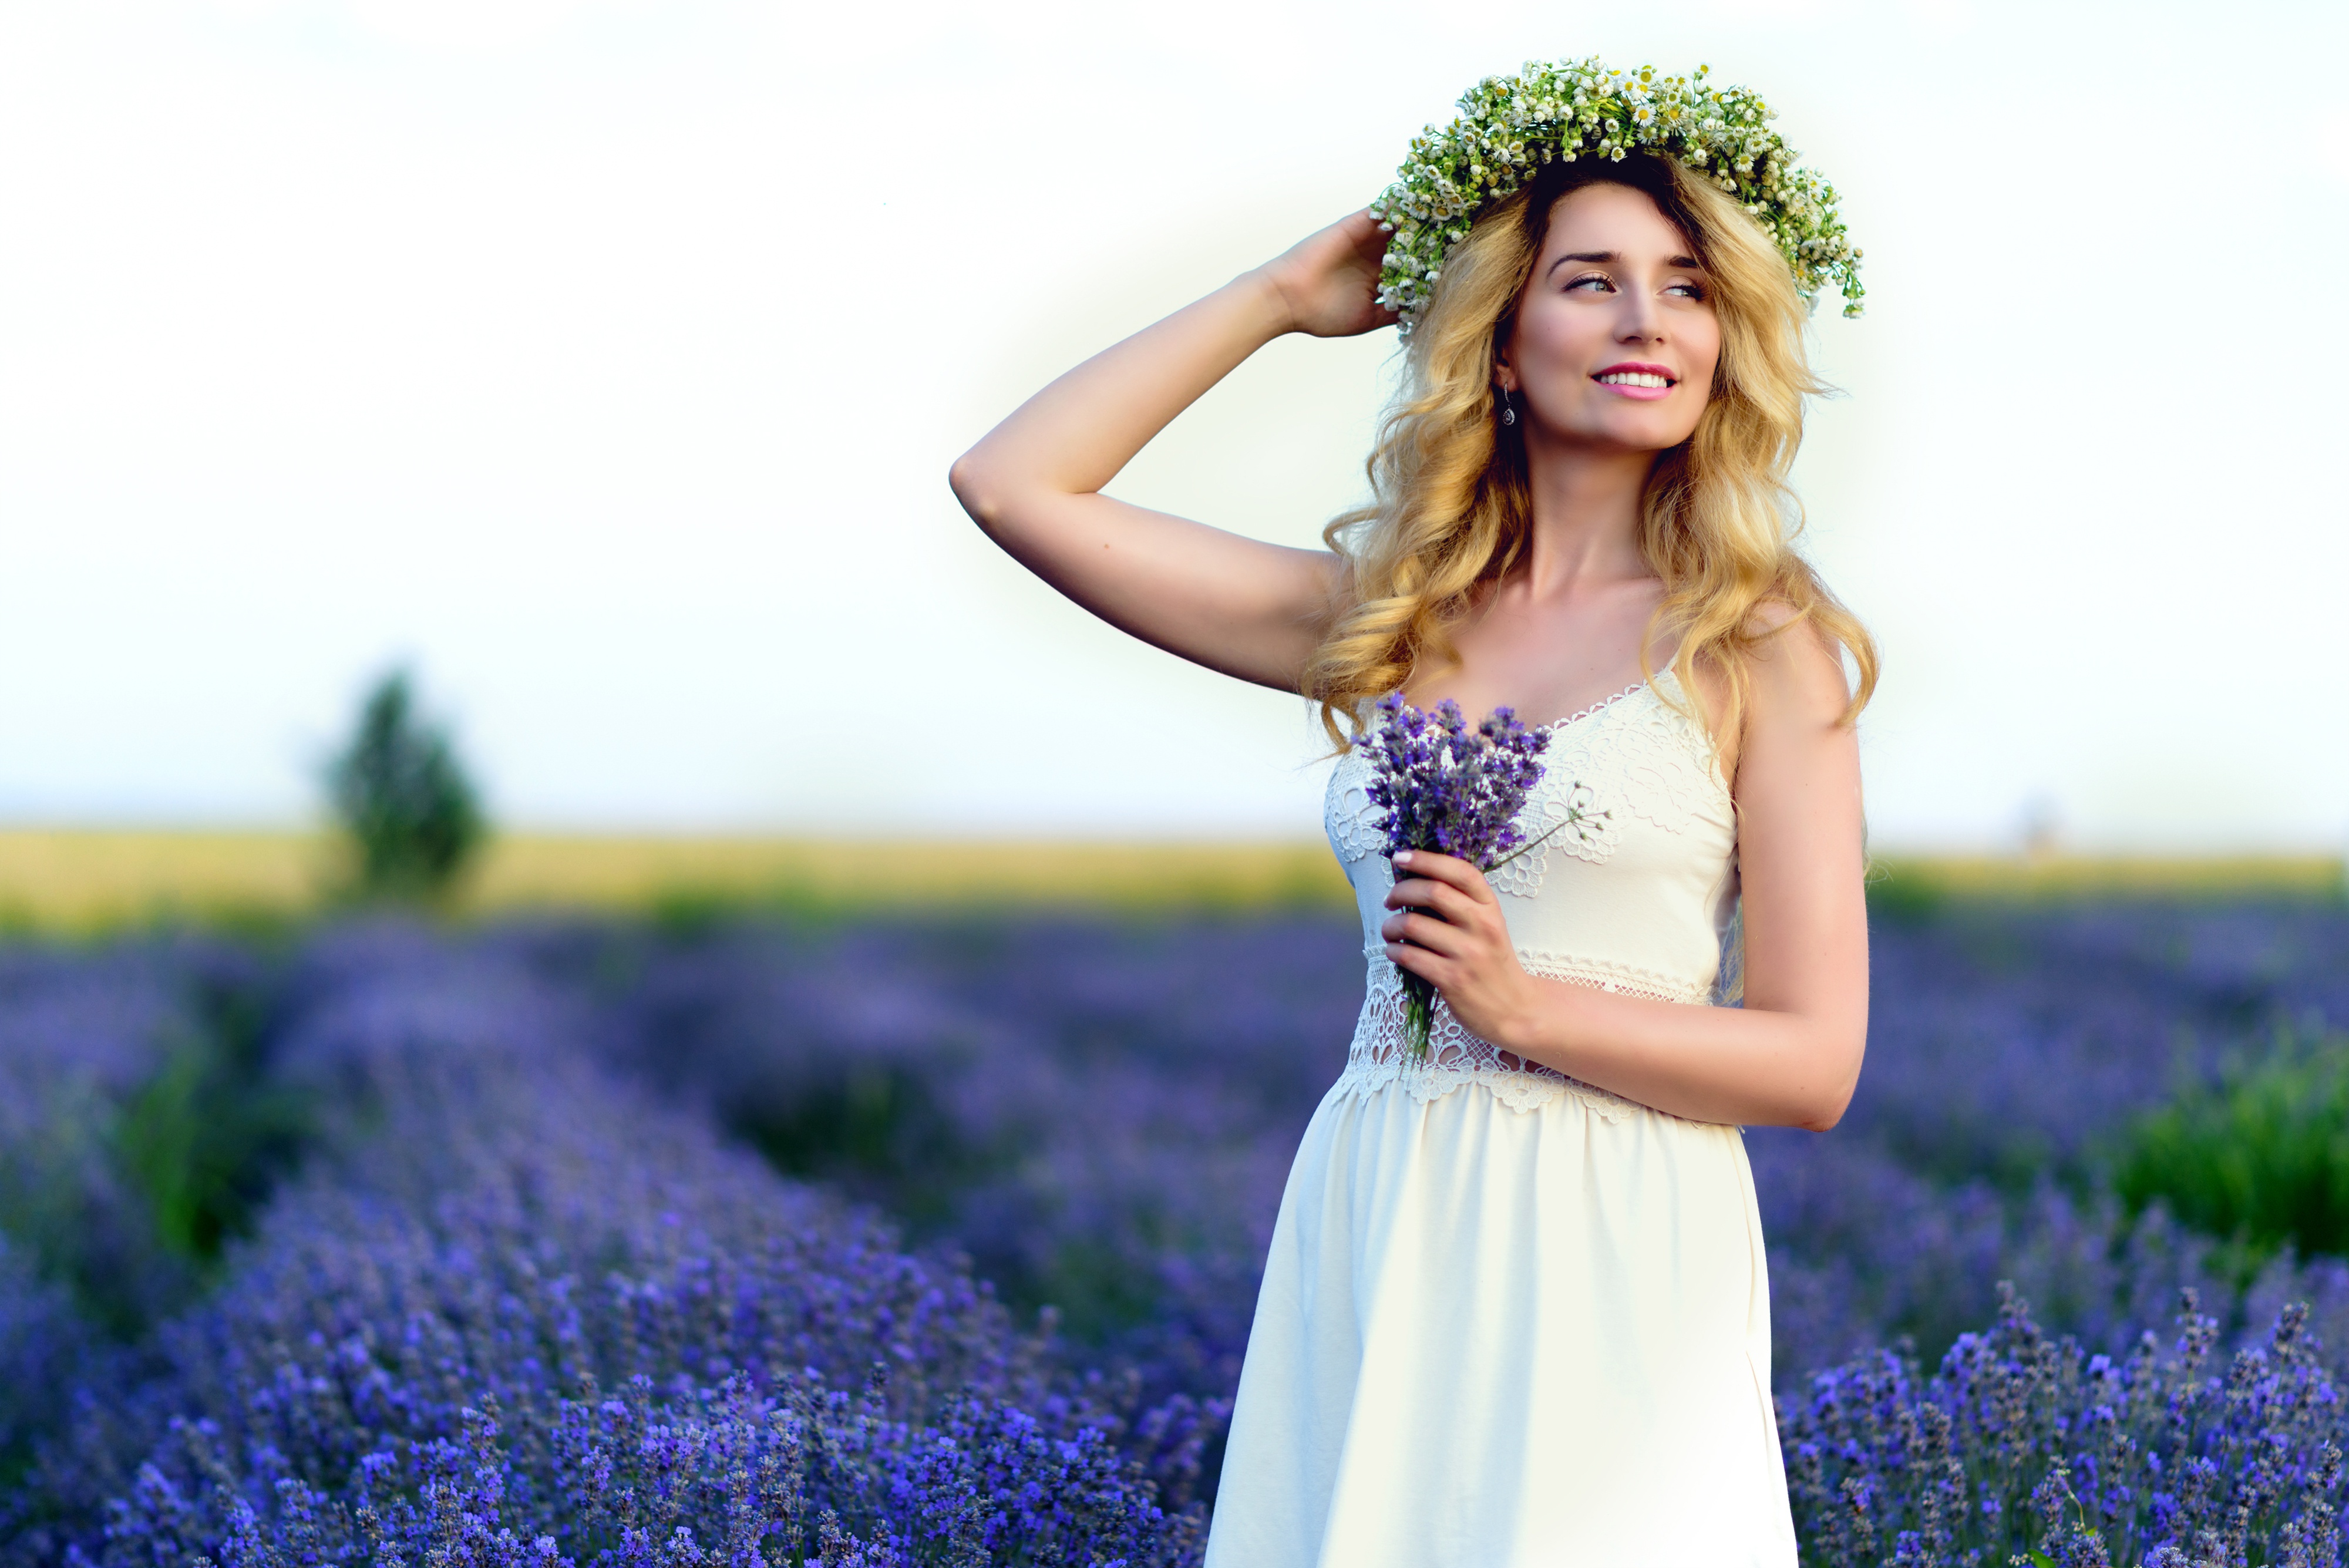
x,y
1452,511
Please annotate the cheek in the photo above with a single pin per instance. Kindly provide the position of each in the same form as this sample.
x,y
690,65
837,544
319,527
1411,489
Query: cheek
x,y
1559,340
1704,352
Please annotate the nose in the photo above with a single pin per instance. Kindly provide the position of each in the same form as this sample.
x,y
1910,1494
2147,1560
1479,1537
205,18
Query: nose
x,y
1637,319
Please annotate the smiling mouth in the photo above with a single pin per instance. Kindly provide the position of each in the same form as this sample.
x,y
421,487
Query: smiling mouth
x,y
1632,379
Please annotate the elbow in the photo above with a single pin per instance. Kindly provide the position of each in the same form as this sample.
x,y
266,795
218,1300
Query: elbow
x,y
1824,1106
1826,1112
977,489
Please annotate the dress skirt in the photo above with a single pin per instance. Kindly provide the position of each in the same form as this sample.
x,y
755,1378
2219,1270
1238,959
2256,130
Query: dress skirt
x,y
1492,1337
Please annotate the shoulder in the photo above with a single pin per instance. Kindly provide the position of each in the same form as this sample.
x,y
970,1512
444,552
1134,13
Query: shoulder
x,y
1790,684
1794,666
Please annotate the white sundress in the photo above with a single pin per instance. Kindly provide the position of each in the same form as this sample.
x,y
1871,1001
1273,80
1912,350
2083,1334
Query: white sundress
x,y
1509,1319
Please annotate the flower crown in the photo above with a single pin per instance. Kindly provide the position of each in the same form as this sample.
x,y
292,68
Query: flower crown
x,y
1509,126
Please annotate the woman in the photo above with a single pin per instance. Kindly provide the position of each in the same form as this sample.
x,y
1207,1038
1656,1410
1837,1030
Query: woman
x,y
1515,1308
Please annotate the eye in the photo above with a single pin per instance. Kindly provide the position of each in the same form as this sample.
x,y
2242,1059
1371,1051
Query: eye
x,y
1686,289
1600,278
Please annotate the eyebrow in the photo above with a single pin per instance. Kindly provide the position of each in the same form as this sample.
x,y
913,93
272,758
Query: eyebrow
x,y
1685,263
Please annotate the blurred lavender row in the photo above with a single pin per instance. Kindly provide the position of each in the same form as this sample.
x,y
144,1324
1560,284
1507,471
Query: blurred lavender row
x,y
937,1239
1102,1114
512,1307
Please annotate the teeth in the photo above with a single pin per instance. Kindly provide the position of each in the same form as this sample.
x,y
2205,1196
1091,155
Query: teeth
x,y
1633,379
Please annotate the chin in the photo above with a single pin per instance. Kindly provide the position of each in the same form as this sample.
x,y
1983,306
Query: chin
x,y
1636,435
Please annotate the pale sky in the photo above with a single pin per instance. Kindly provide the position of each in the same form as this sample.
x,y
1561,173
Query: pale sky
x,y
605,361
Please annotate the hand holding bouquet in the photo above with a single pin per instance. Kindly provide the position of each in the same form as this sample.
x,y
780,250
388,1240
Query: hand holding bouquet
x,y
1453,790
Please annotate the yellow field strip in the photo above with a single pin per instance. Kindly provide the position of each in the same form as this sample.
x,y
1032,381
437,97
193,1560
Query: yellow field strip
x,y
2091,876
79,879
83,880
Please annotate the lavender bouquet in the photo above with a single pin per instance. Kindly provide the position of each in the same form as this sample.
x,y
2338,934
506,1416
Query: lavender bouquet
x,y
1452,789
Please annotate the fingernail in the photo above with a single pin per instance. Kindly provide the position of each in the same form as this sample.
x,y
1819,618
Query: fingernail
x,y
1401,857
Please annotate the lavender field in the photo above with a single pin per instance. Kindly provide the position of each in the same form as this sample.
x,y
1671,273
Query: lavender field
x,y
935,1240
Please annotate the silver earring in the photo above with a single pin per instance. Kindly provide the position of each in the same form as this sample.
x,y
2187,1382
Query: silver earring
x,y
1508,410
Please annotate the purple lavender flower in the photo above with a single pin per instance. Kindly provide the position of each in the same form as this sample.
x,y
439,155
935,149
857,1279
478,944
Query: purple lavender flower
x,y
523,1180
1452,790
521,1314
2025,1449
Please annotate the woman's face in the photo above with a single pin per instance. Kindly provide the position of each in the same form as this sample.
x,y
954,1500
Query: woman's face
x,y
1615,338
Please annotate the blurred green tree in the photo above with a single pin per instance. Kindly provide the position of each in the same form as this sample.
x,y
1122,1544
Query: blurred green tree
x,y
413,819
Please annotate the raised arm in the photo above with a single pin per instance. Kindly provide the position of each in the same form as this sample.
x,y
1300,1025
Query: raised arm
x,y
1234,604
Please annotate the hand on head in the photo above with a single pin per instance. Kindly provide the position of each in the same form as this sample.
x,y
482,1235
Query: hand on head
x,y
1328,281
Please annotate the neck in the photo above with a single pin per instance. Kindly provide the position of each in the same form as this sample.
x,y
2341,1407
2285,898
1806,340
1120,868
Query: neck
x,y
1586,513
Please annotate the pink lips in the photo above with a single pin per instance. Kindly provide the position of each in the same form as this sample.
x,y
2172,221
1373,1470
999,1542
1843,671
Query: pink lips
x,y
1634,367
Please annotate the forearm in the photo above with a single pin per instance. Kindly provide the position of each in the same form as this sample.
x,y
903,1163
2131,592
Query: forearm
x,y
1749,1065
1075,436
1237,605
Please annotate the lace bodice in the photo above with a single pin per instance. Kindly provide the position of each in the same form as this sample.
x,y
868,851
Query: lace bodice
x,y
1632,892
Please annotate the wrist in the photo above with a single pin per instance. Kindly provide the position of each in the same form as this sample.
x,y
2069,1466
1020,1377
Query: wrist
x,y
1535,1026
1268,303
